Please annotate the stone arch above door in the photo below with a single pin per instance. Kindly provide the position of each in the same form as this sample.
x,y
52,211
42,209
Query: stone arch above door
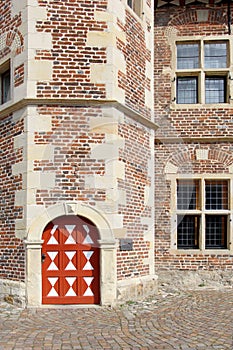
x,y
70,208
107,246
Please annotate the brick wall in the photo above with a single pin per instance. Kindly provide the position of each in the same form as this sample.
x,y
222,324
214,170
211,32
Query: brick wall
x,y
136,54
77,169
72,161
136,157
83,150
183,132
69,22
12,254
9,28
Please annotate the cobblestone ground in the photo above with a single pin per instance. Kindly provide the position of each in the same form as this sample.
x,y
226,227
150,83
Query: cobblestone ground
x,y
199,320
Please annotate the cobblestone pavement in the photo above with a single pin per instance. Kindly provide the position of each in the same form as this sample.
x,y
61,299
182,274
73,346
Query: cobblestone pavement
x,y
199,320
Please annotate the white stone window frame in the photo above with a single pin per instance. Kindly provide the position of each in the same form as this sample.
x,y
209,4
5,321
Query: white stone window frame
x,y
202,212
202,72
5,65
136,7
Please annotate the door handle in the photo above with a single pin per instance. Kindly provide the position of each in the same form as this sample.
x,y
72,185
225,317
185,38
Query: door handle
x,y
43,257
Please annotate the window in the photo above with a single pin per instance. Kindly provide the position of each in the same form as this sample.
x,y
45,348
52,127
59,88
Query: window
x,y
199,64
5,82
215,89
187,90
136,6
202,214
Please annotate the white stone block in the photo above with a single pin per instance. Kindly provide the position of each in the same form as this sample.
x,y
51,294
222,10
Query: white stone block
x,y
110,112
20,198
149,70
38,41
115,168
33,211
20,141
116,57
104,151
202,154
17,6
113,92
20,225
39,152
31,89
117,196
38,180
103,125
21,234
38,123
230,168
149,99
115,140
40,70
170,168
37,13
101,39
115,220
20,92
20,59
22,167
202,15
104,16
100,182
103,73
117,7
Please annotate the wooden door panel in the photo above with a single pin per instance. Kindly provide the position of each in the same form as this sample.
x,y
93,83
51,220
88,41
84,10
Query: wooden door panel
x,y
70,269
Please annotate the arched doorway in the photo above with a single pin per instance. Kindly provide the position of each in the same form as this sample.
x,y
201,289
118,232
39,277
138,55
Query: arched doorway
x,y
106,244
70,262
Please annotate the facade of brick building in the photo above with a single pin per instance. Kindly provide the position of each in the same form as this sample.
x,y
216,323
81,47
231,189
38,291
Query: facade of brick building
x,y
77,151
103,104
193,152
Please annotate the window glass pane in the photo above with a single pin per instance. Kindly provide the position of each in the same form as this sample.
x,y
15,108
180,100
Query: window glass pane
x,y
130,3
215,55
215,91
216,194
187,56
188,231
187,194
5,86
135,5
187,90
216,231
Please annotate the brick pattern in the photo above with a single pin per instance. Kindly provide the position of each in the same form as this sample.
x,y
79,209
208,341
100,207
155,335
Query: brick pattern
x,y
71,142
70,53
73,163
12,254
136,55
9,29
184,17
19,75
135,155
192,123
72,155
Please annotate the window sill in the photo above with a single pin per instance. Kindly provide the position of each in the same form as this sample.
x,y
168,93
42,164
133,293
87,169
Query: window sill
x,y
6,105
201,252
199,105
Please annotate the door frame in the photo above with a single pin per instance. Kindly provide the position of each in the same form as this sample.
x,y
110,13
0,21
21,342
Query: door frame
x,y
107,245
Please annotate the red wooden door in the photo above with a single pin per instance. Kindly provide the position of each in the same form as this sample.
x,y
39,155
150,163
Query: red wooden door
x,y
70,262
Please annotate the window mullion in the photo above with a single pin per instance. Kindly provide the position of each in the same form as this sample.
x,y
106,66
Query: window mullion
x,y
202,225
202,87
230,225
